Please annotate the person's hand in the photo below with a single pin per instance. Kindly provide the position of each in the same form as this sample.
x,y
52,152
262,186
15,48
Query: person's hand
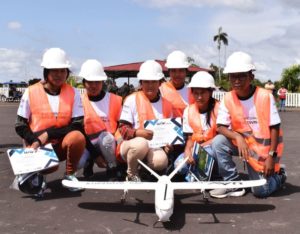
x,y
168,148
43,138
190,159
35,145
243,148
269,167
147,134
100,162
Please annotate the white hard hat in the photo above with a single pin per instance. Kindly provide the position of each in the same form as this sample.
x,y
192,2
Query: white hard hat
x,y
150,70
92,70
55,58
239,62
202,79
177,59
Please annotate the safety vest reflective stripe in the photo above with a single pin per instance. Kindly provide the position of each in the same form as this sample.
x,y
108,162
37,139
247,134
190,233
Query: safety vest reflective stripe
x,y
258,141
42,117
93,123
195,122
169,92
145,110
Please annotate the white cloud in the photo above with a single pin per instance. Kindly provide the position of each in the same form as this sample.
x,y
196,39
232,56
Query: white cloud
x,y
244,5
291,3
14,25
16,65
253,28
262,66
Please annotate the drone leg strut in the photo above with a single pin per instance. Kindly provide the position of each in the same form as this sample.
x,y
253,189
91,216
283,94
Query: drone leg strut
x,y
123,197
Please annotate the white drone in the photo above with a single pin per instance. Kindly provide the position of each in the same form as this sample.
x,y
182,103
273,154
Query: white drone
x,y
164,188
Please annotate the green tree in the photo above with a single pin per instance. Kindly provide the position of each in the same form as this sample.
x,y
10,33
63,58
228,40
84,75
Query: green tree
x,y
220,38
74,81
290,78
222,83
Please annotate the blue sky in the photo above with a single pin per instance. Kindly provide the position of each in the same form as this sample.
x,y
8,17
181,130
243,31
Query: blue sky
x,y
123,31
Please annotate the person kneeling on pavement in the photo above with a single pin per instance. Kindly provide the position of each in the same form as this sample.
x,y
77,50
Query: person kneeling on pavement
x,y
140,106
51,112
199,123
101,114
249,126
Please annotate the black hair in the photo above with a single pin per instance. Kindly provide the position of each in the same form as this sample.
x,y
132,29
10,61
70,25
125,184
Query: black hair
x,y
210,109
46,73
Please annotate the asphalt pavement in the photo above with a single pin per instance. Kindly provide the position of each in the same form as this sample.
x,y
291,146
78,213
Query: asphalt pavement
x,y
95,211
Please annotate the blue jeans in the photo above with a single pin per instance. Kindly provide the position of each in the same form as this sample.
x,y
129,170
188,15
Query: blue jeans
x,y
185,169
282,105
224,150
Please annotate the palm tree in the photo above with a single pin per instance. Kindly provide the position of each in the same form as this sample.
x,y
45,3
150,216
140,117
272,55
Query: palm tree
x,y
220,38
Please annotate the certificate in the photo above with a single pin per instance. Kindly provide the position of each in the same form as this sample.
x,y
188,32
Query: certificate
x,y
25,160
165,131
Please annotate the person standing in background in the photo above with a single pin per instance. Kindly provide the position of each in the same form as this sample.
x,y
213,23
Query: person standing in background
x,y
282,97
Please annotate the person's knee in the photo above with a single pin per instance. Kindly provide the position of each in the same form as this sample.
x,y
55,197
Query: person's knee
x,y
157,159
140,146
74,138
160,163
260,191
219,141
107,140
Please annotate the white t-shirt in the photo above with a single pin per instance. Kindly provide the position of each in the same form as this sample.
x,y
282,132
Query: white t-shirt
x,y
102,108
184,94
186,126
129,111
25,112
250,113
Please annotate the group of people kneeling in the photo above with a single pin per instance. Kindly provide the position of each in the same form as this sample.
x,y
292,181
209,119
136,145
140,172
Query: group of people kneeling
x,y
97,127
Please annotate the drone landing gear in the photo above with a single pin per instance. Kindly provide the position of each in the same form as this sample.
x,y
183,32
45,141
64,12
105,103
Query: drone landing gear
x,y
124,195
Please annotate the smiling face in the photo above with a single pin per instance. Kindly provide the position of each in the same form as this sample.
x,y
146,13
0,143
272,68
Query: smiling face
x,y
178,76
202,96
93,88
241,83
150,88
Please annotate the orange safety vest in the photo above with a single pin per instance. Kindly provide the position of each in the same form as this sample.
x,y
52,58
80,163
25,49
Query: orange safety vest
x,y
169,92
93,124
194,119
42,117
145,112
258,141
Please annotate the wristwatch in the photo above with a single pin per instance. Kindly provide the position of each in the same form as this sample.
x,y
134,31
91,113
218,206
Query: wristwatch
x,y
273,154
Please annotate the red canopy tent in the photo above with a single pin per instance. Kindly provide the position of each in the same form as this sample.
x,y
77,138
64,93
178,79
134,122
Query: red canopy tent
x,y
131,69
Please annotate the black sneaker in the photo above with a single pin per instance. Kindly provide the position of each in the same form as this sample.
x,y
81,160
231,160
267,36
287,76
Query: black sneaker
x,y
88,169
282,173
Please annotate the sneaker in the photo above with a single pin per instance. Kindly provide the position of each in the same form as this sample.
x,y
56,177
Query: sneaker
x,y
283,175
41,193
72,177
133,178
222,193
